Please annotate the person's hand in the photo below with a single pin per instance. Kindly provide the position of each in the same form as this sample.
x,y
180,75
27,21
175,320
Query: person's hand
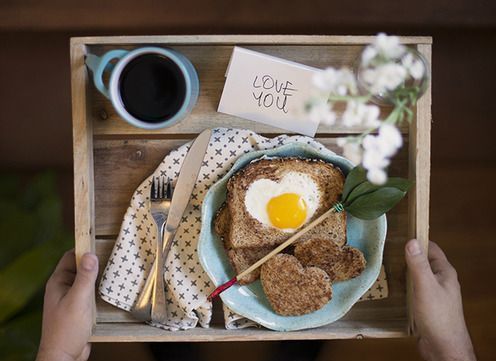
x,y
67,310
437,305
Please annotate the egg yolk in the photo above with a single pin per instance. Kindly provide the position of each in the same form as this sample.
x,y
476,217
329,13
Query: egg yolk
x,y
287,210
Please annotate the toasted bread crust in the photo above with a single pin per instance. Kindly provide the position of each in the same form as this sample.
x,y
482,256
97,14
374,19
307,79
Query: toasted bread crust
x,y
221,221
292,289
340,263
243,258
246,231
240,258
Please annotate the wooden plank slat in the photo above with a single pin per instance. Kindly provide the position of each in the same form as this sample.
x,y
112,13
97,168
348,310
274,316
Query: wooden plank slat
x,y
122,164
241,39
419,170
134,332
211,62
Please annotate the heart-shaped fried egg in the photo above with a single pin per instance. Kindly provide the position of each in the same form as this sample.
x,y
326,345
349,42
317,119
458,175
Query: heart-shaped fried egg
x,y
287,204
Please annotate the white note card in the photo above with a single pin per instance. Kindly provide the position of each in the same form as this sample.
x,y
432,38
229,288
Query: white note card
x,y
269,90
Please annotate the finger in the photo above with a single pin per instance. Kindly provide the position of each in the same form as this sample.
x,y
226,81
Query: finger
x,y
439,262
62,277
67,264
84,284
418,264
437,258
85,354
436,253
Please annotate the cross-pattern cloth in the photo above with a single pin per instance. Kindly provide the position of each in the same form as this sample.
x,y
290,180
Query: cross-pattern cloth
x,y
187,284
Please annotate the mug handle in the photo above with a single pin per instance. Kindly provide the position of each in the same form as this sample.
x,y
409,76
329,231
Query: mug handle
x,y
99,65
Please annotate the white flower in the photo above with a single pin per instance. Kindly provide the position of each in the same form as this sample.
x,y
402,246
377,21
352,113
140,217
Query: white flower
x,y
384,145
321,112
414,66
346,82
352,115
390,139
417,70
351,150
388,46
385,77
340,82
368,54
326,79
377,176
378,150
373,158
357,113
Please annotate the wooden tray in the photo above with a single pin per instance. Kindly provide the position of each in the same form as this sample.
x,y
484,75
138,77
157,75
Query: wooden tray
x,y
111,158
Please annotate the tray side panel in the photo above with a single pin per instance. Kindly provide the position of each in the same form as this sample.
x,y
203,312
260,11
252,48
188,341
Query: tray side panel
x,y
84,211
420,171
276,39
135,332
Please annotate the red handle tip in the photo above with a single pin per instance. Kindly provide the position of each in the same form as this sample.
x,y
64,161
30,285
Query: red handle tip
x,y
221,288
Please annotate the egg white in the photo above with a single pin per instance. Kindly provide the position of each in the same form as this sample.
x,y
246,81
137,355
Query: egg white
x,y
261,191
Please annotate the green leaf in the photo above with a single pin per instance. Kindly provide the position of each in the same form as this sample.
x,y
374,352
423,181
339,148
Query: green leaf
x,y
18,229
31,218
355,177
49,216
367,187
40,188
373,205
20,337
24,276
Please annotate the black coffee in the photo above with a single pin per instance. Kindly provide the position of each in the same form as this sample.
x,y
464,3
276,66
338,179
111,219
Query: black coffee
x,y
152,88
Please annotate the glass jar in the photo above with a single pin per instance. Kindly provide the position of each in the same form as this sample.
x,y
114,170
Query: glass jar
x,y
411,85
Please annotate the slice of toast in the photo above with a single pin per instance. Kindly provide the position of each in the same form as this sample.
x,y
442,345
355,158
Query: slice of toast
x,y
292,289
340,263
246,231
333,228
241,258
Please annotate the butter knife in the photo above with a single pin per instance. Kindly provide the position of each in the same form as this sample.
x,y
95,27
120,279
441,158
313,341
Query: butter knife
x,y
180,199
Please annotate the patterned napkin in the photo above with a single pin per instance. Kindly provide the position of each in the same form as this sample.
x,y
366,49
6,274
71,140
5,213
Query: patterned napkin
x,y
187,284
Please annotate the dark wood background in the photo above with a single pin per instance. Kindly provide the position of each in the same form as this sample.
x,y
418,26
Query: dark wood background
x,y
35,119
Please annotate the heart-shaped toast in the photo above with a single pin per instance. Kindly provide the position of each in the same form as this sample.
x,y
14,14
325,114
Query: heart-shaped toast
x,y
339,262
292,289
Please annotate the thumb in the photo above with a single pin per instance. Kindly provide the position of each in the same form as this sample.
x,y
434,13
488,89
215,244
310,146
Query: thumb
x,y
84,284
418,264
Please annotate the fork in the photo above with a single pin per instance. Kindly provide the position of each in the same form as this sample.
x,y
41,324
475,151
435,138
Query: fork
x,y
151,302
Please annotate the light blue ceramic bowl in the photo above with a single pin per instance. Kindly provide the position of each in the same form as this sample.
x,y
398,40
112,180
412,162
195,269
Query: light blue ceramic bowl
x,y
250,301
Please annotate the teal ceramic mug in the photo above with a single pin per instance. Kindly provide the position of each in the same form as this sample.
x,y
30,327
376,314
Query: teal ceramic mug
x,y
149,87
